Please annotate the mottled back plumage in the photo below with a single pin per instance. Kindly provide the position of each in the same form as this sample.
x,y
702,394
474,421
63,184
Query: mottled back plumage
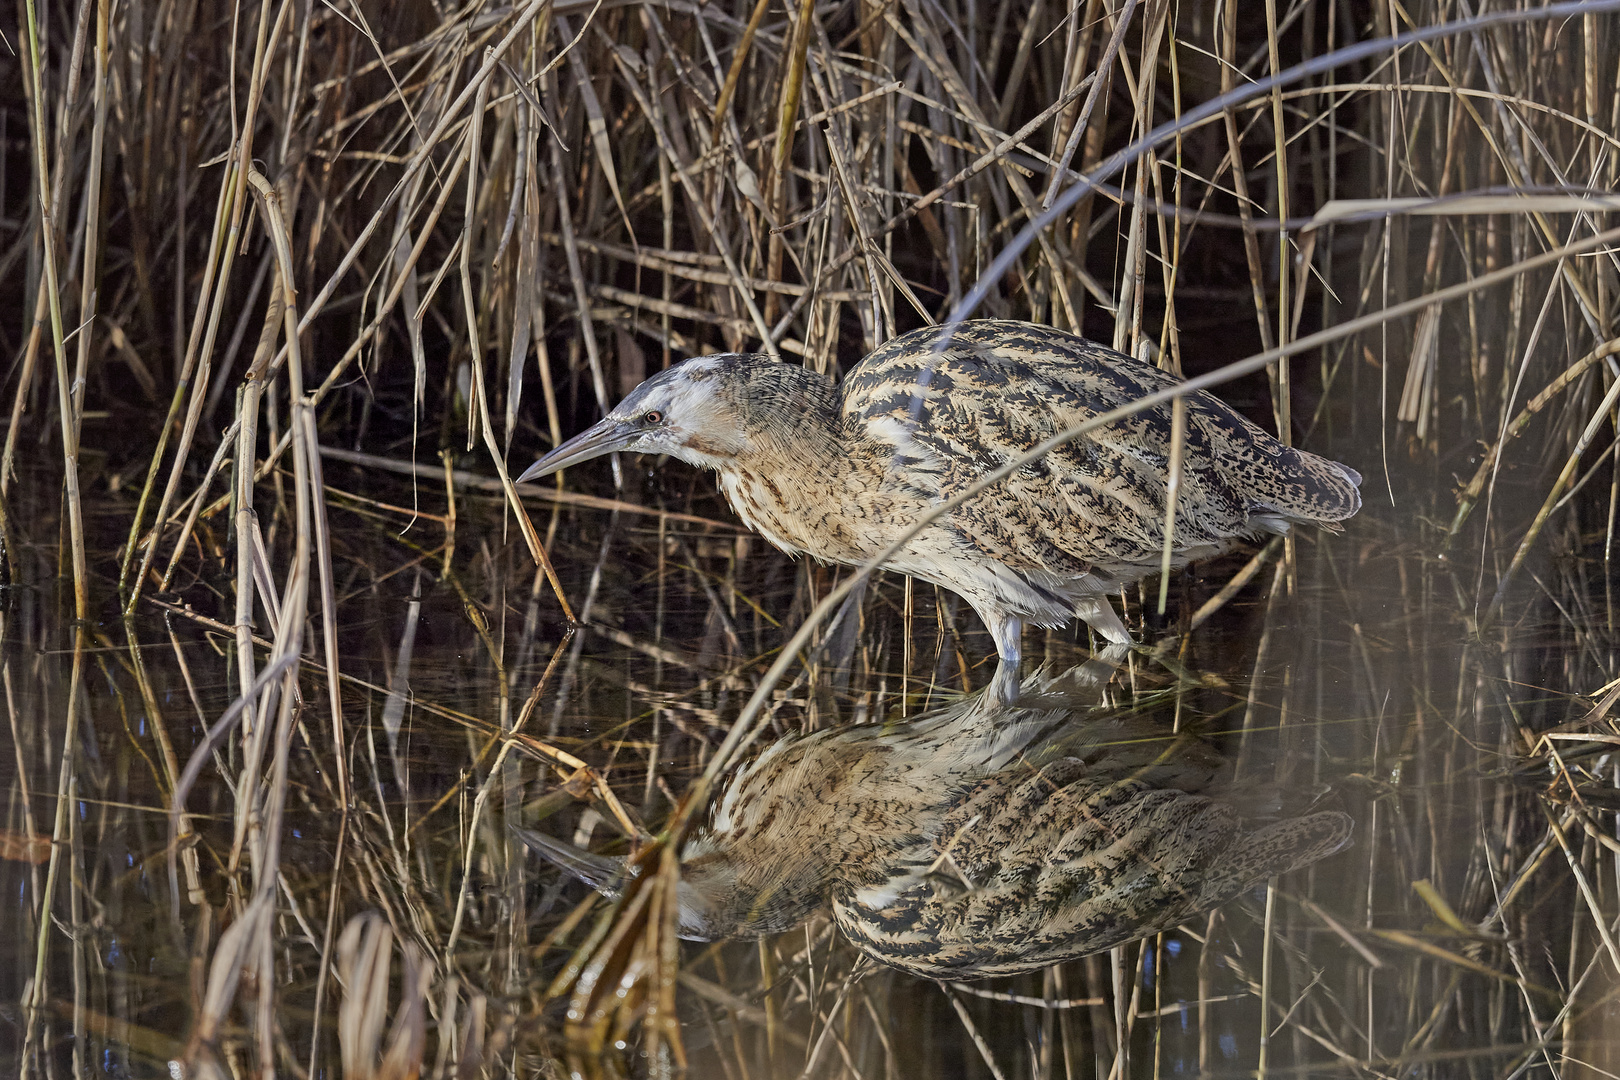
x,y
841,472
1001,388
1072,859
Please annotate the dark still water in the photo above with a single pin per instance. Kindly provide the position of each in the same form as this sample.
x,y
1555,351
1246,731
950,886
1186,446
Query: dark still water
x,y
1352,822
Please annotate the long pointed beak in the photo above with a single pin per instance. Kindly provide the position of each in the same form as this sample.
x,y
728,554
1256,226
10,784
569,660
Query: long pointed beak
x,y
597,871
605,437
699,918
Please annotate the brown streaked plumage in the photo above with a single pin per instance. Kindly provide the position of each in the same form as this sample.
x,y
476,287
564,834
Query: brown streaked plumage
x,y
839,472
983,839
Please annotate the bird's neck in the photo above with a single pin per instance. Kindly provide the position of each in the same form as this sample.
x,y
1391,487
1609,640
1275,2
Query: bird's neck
x,y
792,418
794,820
795,461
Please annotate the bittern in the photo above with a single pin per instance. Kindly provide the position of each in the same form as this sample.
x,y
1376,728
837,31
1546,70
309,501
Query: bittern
x,y
987,838
839,472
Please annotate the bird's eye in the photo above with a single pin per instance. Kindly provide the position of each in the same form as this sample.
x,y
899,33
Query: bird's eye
x,y
652,416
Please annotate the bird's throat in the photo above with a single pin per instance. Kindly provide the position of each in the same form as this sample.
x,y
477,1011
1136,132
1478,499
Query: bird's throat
x,y
784,493
794,476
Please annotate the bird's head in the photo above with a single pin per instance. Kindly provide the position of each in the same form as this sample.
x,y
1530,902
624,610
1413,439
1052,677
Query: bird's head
x,y
692,411
723,893
708,897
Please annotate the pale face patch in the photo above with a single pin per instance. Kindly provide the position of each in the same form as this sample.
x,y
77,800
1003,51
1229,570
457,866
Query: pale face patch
x,y
682,413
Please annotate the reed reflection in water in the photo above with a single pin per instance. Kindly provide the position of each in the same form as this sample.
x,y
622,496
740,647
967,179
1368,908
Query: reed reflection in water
x,y
983,838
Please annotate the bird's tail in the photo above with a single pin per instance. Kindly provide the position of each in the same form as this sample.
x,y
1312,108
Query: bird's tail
x,y
1276,849
1307,487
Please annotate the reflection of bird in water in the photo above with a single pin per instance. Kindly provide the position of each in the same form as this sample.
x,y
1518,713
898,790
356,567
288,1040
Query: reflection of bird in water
x,y
981,839
839,472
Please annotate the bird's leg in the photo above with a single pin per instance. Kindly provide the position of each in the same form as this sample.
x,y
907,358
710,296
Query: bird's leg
x,y
1007,631
1005,686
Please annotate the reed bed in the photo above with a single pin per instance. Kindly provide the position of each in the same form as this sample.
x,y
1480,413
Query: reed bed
x,y
295,288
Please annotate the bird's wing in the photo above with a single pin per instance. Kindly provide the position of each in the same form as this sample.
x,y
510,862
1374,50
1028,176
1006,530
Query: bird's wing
x,y
1030,875
998,389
